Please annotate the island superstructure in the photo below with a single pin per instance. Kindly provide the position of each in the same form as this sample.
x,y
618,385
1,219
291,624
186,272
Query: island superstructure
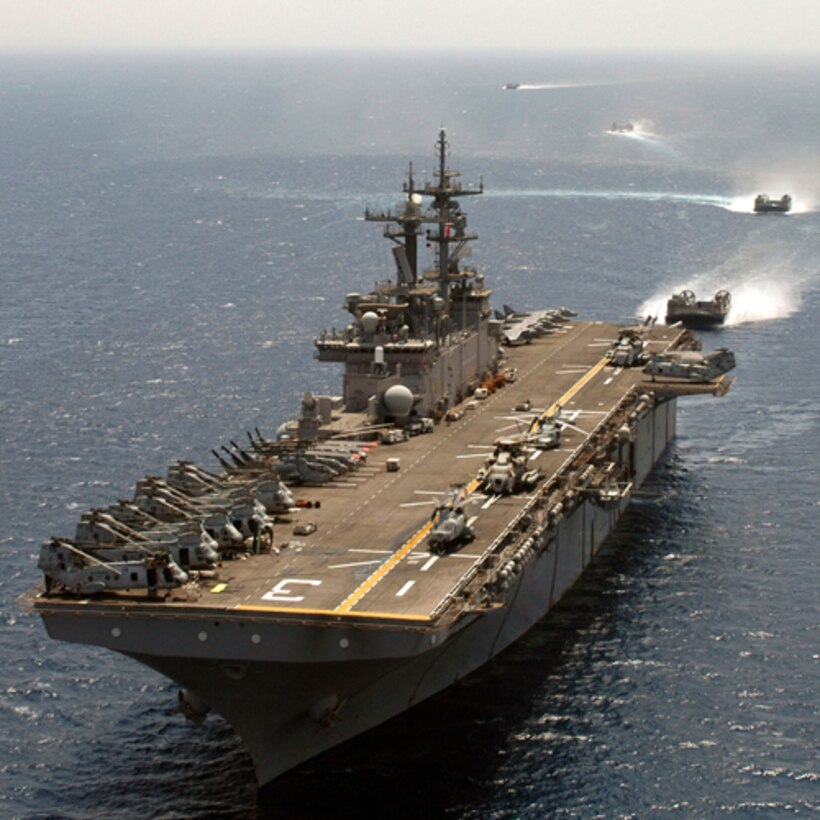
x,y
384,543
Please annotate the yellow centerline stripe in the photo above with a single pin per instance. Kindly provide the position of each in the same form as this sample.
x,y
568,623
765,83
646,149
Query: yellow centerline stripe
x,y
366,586
418,536
552,409
346,606
283,610
409,545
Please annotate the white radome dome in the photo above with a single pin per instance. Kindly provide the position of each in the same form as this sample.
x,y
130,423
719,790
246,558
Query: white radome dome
x,y
370,321
398,400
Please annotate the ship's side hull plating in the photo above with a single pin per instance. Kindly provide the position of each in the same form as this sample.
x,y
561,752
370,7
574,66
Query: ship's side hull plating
x,y
294,690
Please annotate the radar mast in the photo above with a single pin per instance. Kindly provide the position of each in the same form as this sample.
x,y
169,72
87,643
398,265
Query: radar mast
x,y
448,234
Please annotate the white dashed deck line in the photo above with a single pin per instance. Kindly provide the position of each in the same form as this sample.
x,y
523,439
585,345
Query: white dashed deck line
x,y
371,552
405,589
354,564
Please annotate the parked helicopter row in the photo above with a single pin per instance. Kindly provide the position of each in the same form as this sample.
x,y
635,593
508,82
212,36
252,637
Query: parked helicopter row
x,y
192,519
521,327
691,365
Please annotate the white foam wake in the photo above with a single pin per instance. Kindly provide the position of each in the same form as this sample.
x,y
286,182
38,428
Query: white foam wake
x,y
642,131
641,196
769,289
802,203
555,86
767,298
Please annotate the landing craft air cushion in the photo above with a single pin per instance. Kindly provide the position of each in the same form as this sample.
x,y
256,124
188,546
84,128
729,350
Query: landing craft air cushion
x,y
765,205
683,307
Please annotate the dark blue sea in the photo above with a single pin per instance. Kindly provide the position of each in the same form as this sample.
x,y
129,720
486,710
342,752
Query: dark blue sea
x,y
175,231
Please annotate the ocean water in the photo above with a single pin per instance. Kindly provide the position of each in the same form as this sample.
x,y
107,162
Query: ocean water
x,y
176,231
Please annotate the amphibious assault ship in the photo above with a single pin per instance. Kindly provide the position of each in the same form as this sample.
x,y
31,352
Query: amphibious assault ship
x,y
386,542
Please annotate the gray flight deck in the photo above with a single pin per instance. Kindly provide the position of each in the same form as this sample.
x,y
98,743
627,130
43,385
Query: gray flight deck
x,y
369,555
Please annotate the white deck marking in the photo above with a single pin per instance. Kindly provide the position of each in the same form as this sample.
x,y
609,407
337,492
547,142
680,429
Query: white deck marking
x,y
419,503
429,492
283,592
471,521
371,552
570,372
536,455
405,589
489,502
607,381
355,564
477,455
429,563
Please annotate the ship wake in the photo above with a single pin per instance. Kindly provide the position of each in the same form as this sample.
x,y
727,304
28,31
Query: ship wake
x,y
614,196
802,203
559,86
742,203
770,287
642,131
799,177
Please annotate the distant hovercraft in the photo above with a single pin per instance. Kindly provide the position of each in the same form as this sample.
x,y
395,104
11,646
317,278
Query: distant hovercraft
x,y
764,205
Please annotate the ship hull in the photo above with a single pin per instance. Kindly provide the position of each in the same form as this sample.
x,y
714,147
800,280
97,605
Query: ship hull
x,y
697,318
308,695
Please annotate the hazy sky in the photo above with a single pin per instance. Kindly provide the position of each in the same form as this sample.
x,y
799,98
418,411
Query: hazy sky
x,y
712,26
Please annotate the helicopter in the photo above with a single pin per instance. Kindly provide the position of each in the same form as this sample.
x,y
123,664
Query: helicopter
x,y
450,524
